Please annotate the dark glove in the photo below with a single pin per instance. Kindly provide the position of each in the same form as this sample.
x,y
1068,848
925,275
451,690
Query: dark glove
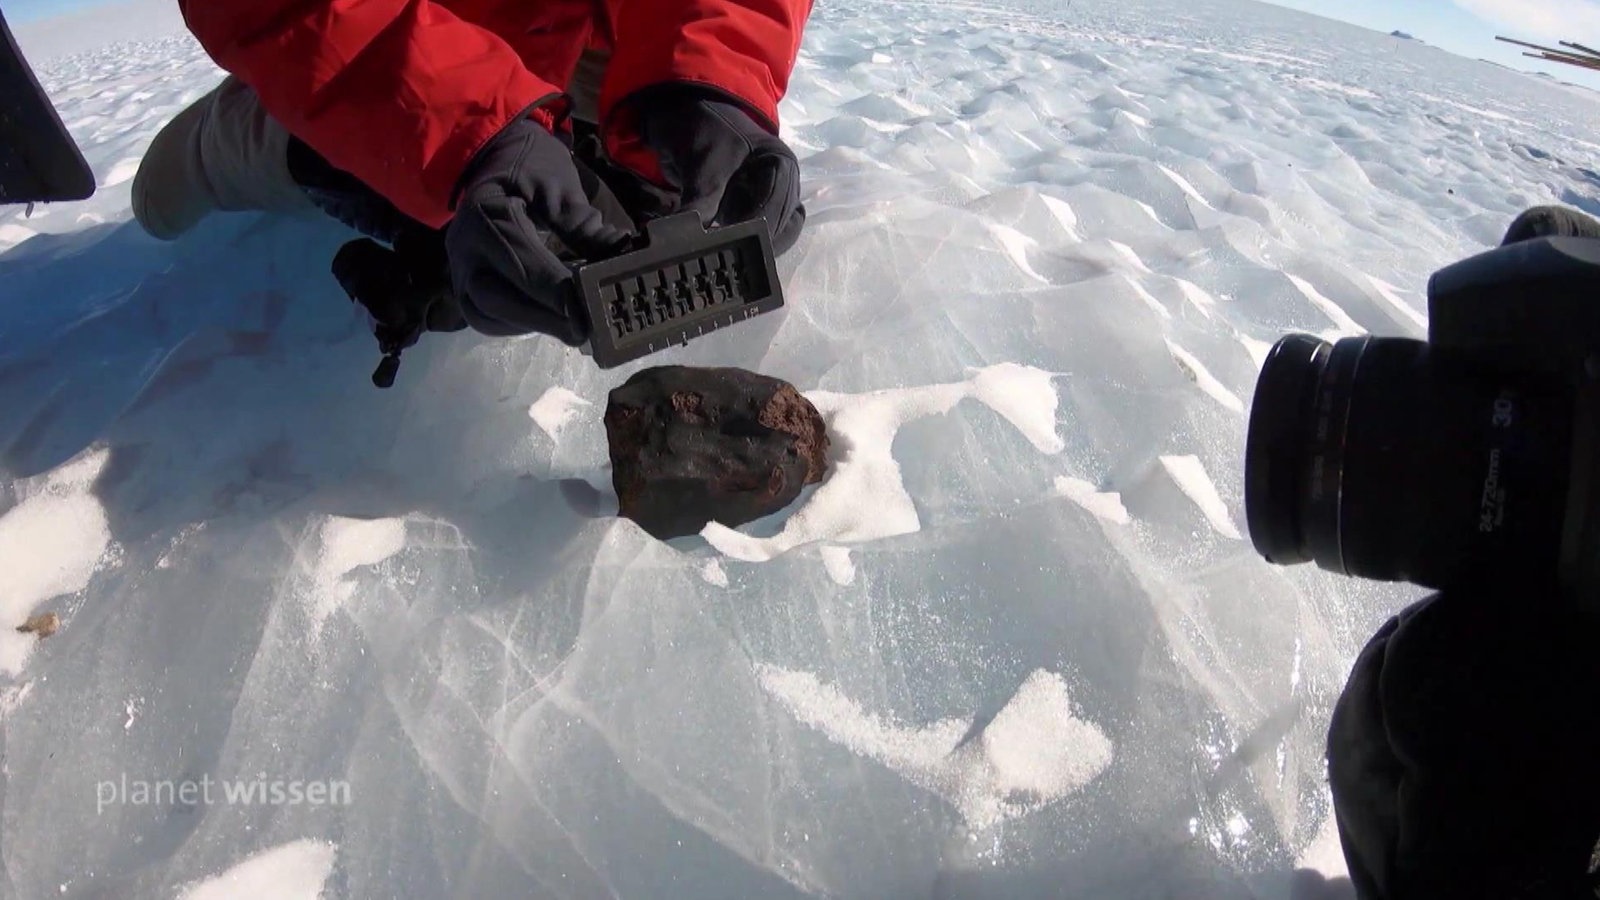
x,y
405,291
522,190
720,161
1462,753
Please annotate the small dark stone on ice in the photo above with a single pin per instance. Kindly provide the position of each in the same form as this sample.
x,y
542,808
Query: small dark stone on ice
x,y
691,446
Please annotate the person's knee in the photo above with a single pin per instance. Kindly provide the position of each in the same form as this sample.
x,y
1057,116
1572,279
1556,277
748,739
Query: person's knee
x,y
170,194
244,152
223,152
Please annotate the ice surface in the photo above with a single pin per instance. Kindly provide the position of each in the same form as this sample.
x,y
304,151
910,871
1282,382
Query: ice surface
x,y
12,234
713,573
1107,506
52,542
1324,853
555,408
1032,753
1013,647
12,697
1016,245
841,568
1391,294
349,544
864,498
294,871
1207,382
1191,476
1343,325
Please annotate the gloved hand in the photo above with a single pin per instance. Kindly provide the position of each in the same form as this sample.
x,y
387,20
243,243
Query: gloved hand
x,y
721,162
404,291
1461,754
521,190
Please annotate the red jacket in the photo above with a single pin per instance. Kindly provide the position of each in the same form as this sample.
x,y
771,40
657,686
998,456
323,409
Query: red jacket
x,y
402,93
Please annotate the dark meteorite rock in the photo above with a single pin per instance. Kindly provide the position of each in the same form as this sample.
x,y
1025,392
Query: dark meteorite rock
x,y
690,446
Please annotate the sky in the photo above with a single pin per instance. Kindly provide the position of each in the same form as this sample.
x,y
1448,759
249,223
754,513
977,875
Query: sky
x,y
1468,27
1464,27
28,10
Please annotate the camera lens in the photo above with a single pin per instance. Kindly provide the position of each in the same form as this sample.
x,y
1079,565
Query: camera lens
x,y
1379,458
1276,448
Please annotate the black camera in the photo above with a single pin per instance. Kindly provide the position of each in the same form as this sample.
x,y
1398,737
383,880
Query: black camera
x,y
1465,459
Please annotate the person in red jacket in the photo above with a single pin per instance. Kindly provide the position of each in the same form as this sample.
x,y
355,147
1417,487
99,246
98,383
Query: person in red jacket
x,y
457,115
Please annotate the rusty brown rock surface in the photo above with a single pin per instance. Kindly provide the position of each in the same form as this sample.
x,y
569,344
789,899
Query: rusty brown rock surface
x,y
695,445
44,625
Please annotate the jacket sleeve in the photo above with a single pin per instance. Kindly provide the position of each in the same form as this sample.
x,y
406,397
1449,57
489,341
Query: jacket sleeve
x,y
399,93
745,48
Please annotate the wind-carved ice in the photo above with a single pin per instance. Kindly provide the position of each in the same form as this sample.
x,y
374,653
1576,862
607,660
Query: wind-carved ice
x,y
863,497
557,408
1391,295
1149,299
1213,388
1016,246
713,573
1105,505
13,697
1259,350
1197,297
840,567
1343,325
1187,188
293,871
51,545
1189,473
1063,214
1034,752
346,545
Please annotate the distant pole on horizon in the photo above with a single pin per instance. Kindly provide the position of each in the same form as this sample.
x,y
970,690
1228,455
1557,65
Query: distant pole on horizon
x,y
1575,54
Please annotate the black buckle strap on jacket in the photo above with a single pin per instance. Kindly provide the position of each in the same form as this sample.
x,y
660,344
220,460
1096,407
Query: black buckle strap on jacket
x,y
405,291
